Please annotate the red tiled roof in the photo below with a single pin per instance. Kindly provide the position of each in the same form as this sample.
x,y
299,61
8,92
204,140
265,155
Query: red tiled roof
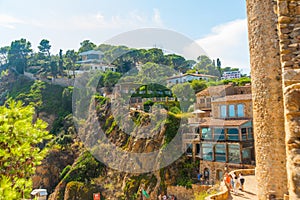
x,y
214,90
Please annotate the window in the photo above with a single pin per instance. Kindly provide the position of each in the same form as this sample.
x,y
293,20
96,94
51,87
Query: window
x,y
208,100
207,150
231,111
206,134
234,153
189,149
244,134
233,134
198,150
250,133
223,111
202,100
220,154
240,110
246,153
219,134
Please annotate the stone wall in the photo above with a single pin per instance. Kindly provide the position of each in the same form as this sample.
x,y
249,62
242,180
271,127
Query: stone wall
x,y
224,193
183,193
267,99
215,167
289,34
247,107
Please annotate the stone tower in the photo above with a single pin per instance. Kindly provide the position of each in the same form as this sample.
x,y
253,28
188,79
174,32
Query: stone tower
x,y
274,38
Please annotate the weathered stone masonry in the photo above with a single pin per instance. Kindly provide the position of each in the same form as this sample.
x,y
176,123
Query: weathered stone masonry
x,y
274,38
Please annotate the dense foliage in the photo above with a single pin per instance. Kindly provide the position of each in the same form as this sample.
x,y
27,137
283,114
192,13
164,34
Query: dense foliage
x,y
20,138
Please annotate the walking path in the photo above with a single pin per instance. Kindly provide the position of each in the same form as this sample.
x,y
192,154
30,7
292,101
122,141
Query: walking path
x,y
250,190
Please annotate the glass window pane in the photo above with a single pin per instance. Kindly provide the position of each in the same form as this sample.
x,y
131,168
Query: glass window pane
x,y
246,153
231,111
207,150
198,150
234,153
240,110
244,134
223,111
219,134
250,133
220,152
189,149
206,134
233,134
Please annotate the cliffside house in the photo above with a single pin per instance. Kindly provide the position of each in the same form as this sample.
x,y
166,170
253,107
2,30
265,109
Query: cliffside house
x,y
221,137
182,78
93,60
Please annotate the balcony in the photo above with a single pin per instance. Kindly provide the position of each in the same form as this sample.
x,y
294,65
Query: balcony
x,y
190,137
195,120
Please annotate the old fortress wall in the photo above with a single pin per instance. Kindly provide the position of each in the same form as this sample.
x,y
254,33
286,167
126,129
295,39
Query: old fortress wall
x,y
274,39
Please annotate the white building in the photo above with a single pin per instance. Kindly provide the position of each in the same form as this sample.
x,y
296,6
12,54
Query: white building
x,y
182,78
93,60
231,75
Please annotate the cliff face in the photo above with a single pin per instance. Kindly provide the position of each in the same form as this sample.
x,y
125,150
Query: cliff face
x,y
87,175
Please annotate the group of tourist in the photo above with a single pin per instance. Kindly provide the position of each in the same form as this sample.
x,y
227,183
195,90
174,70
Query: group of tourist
x,y
234,182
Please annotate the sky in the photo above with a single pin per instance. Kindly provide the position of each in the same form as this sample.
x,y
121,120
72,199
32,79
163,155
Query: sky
x,y
219,27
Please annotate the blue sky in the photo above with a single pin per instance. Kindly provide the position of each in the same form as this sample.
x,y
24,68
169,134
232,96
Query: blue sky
x,y
219,27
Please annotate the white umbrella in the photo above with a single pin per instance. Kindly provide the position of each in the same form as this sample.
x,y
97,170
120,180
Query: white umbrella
x,y
198,111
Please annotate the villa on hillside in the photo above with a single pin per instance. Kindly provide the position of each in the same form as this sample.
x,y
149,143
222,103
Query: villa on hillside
x,y
231,75
93,60
221,134
182,78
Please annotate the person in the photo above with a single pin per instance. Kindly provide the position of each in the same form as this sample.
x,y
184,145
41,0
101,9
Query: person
x,y
242,181
232,181
227,180
235,184
199,176
165,197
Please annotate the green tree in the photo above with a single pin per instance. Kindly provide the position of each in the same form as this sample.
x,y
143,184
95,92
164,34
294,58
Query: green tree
x,y
18,54
86,45
111,78
45,47
198,85
3,55
34,97
154,73
219,66
71,58
61,63
185,94
19,151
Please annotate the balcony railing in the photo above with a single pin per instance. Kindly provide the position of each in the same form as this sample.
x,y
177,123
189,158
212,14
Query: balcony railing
x,y
190,137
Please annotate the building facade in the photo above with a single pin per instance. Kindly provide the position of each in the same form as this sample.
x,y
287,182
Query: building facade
x,y
231,75
183,78
93,60
224,140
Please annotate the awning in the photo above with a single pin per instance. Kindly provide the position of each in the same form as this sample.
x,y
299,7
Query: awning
x,y
198,111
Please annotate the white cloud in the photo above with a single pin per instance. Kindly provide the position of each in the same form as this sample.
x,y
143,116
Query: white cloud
x,y
133,19
229,42
156,17
8,21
